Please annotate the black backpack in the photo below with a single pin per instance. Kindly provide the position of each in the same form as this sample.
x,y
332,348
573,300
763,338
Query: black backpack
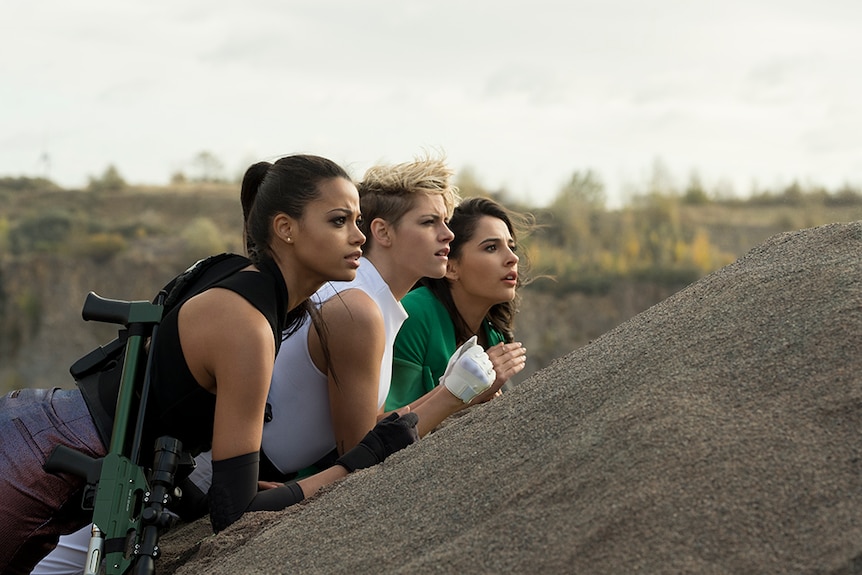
x,y
98,373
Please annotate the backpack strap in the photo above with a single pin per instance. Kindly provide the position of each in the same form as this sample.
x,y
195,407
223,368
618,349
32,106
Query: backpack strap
x,y
201,275
98,373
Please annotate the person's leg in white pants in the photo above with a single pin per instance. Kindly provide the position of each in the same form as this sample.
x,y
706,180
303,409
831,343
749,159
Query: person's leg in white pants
x,y
70,555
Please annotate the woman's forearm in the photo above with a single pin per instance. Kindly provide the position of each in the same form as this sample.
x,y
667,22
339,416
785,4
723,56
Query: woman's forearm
x,y
433,407
312,484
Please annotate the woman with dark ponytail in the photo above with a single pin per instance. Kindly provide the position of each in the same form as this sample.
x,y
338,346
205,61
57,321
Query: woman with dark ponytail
x,y
212,365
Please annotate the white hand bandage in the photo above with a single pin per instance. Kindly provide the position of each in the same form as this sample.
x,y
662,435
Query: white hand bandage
x,y
469,371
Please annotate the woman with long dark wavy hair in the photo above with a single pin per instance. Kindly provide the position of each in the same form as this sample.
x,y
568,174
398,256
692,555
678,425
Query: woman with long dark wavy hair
x,y
478,297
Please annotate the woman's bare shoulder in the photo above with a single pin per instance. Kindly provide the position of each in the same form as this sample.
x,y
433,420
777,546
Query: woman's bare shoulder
x,y
352,308
219,326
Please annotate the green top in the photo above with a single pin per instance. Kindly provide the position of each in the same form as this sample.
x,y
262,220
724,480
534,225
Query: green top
x,y
423,347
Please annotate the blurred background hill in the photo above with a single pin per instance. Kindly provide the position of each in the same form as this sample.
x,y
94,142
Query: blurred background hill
x,y
594,267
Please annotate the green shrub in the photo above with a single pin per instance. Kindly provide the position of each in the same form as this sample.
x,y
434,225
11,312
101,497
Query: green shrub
x,y
100,246
202,238
41,233
4,234
24,184
110,181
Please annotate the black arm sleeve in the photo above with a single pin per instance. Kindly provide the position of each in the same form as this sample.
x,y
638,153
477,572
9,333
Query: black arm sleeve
x,y
234,486
234,491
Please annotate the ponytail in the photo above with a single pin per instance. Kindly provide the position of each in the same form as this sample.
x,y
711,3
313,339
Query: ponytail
x,y
251,182
285,186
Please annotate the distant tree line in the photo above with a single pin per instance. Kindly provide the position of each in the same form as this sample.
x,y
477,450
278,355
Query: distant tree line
x,y
664,234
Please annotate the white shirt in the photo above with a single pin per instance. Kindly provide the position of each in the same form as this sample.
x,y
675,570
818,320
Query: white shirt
x,y
300,432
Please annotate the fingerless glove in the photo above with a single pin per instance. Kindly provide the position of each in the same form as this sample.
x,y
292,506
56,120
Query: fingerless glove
x,y
469,371
389,435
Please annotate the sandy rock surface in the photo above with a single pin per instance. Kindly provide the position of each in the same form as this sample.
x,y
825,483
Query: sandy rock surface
x,y
717,432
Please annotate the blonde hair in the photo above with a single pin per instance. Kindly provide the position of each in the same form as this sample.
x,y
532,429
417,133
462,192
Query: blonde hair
x,y
389,191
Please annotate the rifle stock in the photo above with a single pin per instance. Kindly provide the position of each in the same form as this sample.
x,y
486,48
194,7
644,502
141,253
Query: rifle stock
x,y
128,507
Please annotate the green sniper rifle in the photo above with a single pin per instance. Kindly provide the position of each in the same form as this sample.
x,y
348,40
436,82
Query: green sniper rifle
x,y
129,504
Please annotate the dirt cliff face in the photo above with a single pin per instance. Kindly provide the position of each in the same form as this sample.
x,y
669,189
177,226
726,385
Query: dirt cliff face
x,y
42,329
42,289
716,432
42,333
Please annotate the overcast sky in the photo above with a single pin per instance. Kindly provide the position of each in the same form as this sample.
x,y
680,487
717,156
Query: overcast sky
x,y
745,92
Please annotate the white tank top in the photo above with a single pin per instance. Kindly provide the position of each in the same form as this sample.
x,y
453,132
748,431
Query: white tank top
x,y
300,432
